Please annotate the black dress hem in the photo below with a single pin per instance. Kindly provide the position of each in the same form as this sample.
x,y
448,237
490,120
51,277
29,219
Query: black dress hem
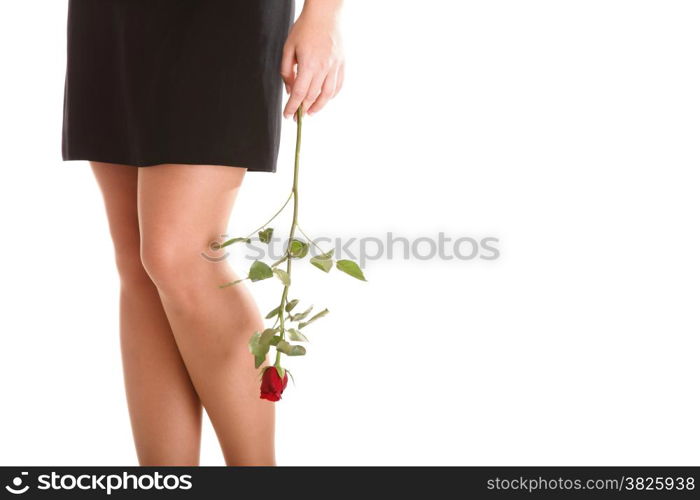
x,y
148,163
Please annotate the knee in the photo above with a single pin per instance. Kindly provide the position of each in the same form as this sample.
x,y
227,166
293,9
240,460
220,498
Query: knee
x,y
161,262
174,267
130,268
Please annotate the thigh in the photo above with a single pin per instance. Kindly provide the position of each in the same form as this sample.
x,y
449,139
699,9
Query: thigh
x,y
182,209
118,184
193,198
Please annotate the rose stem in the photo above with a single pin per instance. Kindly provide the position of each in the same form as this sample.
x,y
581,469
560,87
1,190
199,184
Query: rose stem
x,y
295,215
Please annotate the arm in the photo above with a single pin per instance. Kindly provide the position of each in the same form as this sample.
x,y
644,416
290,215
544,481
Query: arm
x,y
314,49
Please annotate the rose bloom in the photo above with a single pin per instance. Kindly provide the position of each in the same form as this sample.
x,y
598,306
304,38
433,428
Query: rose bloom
x,y
272,385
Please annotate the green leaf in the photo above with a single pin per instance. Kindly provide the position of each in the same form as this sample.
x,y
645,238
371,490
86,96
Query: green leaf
x,y
324,261
283,346
258,349
283,276
300,316
259,360
280,371
267,335
266,235
296,335
234,240
323,265
290,350
298,350
253,342
298,249
273,313
259,271
314,318
291,305
350,267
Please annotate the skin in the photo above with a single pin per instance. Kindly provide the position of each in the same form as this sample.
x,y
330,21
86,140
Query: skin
x,y
313,67
184,339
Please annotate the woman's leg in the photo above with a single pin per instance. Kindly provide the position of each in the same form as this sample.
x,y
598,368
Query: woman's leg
x,y
164,408
182,209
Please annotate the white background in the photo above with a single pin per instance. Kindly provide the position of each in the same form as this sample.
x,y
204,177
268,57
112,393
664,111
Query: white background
x,y
567,129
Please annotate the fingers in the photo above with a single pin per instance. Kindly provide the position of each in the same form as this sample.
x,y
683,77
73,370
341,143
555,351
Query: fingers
x,y
314,93
311,86
287,67
327,93
299,91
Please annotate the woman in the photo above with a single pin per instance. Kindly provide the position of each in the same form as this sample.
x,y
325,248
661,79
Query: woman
x,y
191,92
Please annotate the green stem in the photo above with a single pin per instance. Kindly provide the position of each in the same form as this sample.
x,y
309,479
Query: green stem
x,y
279,261
309,239
295,218
273,217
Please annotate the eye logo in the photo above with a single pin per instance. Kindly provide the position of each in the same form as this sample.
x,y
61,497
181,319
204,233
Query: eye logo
x,y
17,483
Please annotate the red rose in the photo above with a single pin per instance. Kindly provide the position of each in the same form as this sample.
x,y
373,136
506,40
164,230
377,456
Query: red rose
x,y
272,385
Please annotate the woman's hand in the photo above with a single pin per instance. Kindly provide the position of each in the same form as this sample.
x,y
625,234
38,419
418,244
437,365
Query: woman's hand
x,y
314,48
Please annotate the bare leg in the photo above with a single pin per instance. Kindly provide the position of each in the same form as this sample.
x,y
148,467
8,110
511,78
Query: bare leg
x,y
182,208
164,408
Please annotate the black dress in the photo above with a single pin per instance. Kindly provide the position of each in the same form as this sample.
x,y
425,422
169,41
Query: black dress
x,y
175,81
